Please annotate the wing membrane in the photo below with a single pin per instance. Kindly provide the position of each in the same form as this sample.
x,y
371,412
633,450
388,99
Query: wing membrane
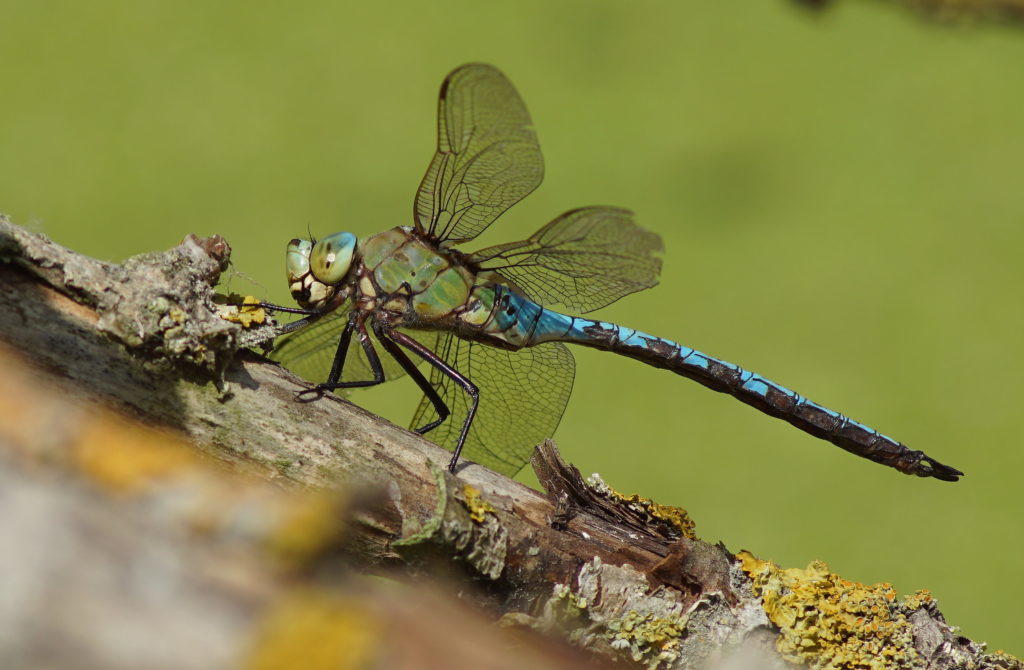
x,y
585,259
309,352
487,155
522,397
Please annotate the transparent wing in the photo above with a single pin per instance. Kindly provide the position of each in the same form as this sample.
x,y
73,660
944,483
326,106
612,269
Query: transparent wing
x,y
585,259
487,156
309,352
522,397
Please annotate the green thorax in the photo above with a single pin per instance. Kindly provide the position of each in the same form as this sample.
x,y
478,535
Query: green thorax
x,y
402,263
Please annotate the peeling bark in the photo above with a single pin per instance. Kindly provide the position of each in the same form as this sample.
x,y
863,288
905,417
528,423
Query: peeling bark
x,y
621,576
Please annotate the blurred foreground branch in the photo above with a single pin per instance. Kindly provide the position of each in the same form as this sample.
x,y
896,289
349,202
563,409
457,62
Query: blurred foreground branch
x,y
124,546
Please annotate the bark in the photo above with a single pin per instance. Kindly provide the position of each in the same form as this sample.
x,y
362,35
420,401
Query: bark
x,y
622,577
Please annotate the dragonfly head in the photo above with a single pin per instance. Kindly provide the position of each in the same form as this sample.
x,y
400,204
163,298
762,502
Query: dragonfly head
x,y
316,271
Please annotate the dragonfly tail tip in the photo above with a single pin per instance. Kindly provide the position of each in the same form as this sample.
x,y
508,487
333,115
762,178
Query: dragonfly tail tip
x,y
932,468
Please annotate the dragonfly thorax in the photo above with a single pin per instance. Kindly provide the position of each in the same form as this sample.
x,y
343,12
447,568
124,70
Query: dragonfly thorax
x,y
317,270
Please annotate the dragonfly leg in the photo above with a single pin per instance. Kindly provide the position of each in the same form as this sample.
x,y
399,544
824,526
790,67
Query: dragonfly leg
x,y
467,386
287,310
356,322
428,389
312,315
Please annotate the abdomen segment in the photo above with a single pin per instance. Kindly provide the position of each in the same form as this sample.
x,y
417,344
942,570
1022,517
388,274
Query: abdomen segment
x,y
753,389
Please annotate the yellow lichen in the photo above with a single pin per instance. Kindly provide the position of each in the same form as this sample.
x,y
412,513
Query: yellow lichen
x,y
307,525
826,621
1001,659
676,517
245,310
475,503
128,458
916,601
317,631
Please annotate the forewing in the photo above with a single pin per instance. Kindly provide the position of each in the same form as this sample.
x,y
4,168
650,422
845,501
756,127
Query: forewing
x,y
585,259
309,352
487,156
522,397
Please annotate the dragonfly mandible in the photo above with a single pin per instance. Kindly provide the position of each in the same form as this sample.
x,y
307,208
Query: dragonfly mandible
x,y
500,370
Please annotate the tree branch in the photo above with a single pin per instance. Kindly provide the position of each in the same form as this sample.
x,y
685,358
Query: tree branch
x,y
622,576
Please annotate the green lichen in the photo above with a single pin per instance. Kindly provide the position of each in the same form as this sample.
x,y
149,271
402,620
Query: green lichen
x,y
327,472
565,607
654,641
412,536
282,465
826,621
481,544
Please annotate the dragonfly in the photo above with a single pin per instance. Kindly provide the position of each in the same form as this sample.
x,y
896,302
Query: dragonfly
x,y
500,370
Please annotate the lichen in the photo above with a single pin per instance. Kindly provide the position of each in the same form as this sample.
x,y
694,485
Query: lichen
x,y
307,525
1001,659
648,638
474,501
324,630
567,601
474,538
916,601
563,611
652,640
244,310
129,459
676,518
826,621
283,464
412,532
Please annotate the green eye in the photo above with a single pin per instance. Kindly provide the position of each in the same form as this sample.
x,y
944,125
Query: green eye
x,y
332,256
297,260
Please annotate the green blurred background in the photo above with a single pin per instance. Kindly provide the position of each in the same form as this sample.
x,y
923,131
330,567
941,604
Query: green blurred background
x,y
840,197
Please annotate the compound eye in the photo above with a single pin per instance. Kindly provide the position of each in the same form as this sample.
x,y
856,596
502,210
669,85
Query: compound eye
x,y
297,260
332,256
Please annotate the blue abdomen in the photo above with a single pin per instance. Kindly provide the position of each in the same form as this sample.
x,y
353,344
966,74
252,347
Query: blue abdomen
x,y
519,322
